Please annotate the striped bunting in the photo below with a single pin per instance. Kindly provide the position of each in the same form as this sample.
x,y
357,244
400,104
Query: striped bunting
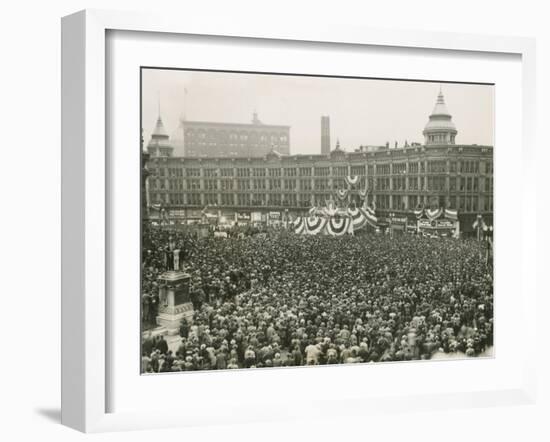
x,y
342,193
315,225
358,218
352,180
451,214
371,216
299,225
338,226
433,214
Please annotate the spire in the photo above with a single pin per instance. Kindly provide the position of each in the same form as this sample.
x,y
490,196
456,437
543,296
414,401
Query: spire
x,y
160,145
159,131
440,107
158,99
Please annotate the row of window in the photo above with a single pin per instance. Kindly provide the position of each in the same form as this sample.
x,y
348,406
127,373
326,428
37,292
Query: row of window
x,y
437,182
199,134
441,138
439,166
394,202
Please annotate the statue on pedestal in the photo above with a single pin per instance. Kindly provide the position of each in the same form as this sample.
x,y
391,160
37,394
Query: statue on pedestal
x,y
174,300
176,259
174,255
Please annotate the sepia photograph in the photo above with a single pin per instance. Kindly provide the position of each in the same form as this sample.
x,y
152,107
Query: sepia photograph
x,y
293,220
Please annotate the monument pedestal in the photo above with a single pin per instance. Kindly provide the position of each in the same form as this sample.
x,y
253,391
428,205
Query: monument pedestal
x,y
174,302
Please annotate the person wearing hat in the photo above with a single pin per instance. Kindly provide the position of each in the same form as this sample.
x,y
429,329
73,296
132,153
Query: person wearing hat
x,y
312,354
161,345
145,362
155,361
249,357
148,343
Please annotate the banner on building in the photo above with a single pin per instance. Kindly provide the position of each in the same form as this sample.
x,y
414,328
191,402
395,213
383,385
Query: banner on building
x,y
241,216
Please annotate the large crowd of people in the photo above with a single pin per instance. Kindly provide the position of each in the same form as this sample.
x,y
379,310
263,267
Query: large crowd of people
x,y
279,299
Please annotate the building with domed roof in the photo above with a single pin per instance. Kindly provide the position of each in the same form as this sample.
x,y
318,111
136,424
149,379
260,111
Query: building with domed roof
x,y
440,128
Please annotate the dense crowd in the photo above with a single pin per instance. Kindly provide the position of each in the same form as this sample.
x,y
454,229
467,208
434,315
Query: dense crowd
x,y
285,300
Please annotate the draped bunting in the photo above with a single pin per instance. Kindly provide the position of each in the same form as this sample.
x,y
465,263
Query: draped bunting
x,y
451,214
358,218
342,193
361,217
334,221
418,212
352,180
315,224
370,212
331,220
371,216
338,226
298,225
436,213
433,214
340,222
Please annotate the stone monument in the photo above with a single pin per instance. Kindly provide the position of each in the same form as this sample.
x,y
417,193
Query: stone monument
x,y
174,302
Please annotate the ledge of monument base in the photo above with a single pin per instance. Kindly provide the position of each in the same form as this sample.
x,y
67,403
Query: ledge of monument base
x,y
185,308
158,331
172,322
174,275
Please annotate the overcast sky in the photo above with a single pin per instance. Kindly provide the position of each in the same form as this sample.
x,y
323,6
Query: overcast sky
x,y
362,111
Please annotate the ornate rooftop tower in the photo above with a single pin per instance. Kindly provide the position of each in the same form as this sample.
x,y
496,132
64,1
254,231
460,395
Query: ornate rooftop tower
x,y
159,145
440,128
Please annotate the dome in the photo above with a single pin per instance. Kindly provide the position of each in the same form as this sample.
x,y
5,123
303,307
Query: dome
x,y
436,124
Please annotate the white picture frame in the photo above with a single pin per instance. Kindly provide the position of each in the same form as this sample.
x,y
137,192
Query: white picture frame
x,y
85,233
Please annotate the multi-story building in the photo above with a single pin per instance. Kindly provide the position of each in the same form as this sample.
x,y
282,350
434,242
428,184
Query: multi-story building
x,y
204,139
439,173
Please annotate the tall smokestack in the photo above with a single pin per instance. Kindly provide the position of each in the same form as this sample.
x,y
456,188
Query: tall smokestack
x,y
325,135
